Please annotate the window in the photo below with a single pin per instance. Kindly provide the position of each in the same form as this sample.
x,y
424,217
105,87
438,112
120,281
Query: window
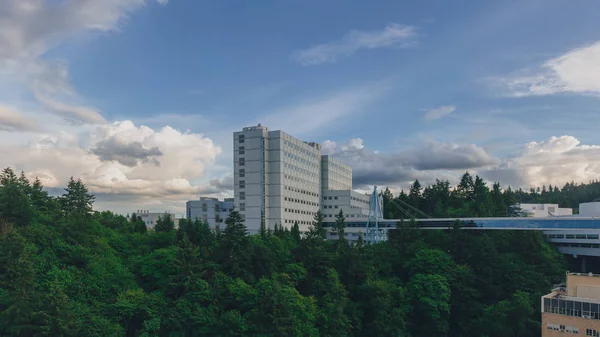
x,y
204,208
242,184
592,236
242,161
242,195
242,207
336,199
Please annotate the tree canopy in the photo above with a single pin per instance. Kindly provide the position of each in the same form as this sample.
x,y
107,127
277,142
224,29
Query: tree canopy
x,y
68,271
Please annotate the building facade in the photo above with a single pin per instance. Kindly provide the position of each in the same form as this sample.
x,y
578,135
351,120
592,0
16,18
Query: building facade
x,y
591,209
335,175
354,205
209,210
277,178
544,210
574,308
150,218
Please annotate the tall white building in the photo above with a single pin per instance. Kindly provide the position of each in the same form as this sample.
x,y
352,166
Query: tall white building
x,y
335,175
277,178
209,210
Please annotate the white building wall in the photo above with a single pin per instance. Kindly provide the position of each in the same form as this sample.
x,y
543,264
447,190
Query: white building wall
x,y
544,210
354,205
335,175
209,210
589,209
276,177
150,218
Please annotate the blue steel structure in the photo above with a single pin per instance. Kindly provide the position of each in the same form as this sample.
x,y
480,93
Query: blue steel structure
x,y
374,233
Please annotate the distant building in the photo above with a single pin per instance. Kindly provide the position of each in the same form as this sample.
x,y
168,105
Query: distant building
x,y
574,308
209,210
280,179
544,210
150,218
589,209
354,205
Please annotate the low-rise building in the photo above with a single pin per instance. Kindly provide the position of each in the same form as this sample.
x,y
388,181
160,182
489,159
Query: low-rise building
x,y
574,308
150,218
209,210
591,209
354,205
544,210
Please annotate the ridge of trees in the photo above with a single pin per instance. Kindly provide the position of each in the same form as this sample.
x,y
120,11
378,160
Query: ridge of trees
x,y
67,271
472,197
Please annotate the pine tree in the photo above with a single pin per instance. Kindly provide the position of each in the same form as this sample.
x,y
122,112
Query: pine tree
x,y
77,201
340,227
295,232
164,223
235,249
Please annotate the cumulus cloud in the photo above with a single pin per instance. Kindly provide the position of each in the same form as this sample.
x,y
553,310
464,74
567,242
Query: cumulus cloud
x,y
128,154
401,167
223,183
392,35
440,112
577,71
55,157
555,161
12,120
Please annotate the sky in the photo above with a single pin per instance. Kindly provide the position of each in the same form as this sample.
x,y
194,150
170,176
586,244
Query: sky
x,y
139,98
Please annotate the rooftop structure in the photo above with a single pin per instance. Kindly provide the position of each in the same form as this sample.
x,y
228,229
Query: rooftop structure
x,y
573,308
544,210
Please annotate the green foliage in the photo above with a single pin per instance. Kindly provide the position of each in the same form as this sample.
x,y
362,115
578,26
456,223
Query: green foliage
x,y
68,271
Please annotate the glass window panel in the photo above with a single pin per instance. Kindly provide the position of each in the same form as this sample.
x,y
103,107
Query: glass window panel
x,y
570,305
586,306
578,306
595,307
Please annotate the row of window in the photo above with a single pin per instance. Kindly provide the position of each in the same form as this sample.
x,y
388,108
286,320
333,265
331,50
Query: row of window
x,y
572,308
577,245
301,160
299,222
339,167
301,170
345,215
564,328
300,149
360,200
301,201
330,198
298,211
572,236
298,190
300,180
592,332
330,206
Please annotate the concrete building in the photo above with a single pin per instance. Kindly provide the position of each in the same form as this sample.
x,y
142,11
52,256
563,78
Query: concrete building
x,y
544,210
150,218
335,175
591,209
574,308
277,178
209,210
354,205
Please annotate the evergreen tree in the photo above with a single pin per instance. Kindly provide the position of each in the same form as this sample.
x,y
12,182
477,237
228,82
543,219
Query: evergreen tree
x,y
234,247
164,223
77,201
295,232
340,227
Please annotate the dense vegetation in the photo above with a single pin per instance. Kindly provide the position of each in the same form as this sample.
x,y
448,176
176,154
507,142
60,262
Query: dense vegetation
x,y
473,198
68,271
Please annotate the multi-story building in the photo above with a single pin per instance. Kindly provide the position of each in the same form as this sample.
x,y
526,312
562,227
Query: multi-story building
x,y
277,178
574,308
150,218
209,210
335,174
591,209
544,210
354,205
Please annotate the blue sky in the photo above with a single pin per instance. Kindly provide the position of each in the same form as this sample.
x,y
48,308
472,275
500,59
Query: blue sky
x,y
401,90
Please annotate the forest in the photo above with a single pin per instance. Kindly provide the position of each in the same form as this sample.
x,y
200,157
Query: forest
x,y
66,270
472,197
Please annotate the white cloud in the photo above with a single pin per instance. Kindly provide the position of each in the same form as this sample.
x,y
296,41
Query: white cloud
x,y
54,157
424,161
12,120
577,71
555,161
312,115
392,35
440,112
